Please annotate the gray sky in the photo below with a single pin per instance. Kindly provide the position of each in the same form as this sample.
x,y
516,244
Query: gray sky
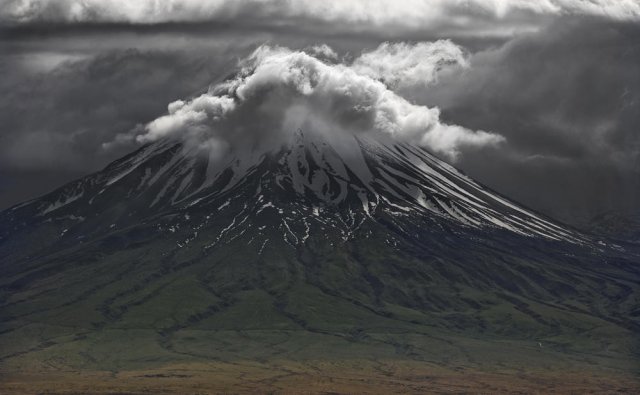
x,y
557,80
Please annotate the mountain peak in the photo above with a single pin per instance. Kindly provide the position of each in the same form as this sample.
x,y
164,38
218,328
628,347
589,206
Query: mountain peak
x,y
338,183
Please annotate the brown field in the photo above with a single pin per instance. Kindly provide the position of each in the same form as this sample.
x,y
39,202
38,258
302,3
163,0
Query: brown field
x,y
314,377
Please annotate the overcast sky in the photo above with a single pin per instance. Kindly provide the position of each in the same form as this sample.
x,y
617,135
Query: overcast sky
x,y
539,100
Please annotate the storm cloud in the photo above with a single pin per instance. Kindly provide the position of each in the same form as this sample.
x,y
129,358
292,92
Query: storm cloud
x,y
567,99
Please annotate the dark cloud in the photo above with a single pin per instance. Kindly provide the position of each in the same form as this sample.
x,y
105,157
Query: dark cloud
x,y
58,108
568,101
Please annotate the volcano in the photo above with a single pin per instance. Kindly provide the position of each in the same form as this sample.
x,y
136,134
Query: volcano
x,y
319,249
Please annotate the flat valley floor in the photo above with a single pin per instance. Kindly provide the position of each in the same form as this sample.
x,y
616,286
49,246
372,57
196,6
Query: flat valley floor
x,y
317,377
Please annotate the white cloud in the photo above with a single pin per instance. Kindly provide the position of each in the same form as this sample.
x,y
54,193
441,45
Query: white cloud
x,y
322,52
615,9
279,90
190,118
402,64
404,12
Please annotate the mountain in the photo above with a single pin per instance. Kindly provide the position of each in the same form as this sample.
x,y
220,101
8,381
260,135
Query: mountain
x,y
622,226
351,181
321,248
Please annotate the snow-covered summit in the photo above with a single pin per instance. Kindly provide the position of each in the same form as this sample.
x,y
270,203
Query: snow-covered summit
x,y
309,184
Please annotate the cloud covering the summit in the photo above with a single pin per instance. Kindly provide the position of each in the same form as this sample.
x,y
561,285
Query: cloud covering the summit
x,y
279,91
